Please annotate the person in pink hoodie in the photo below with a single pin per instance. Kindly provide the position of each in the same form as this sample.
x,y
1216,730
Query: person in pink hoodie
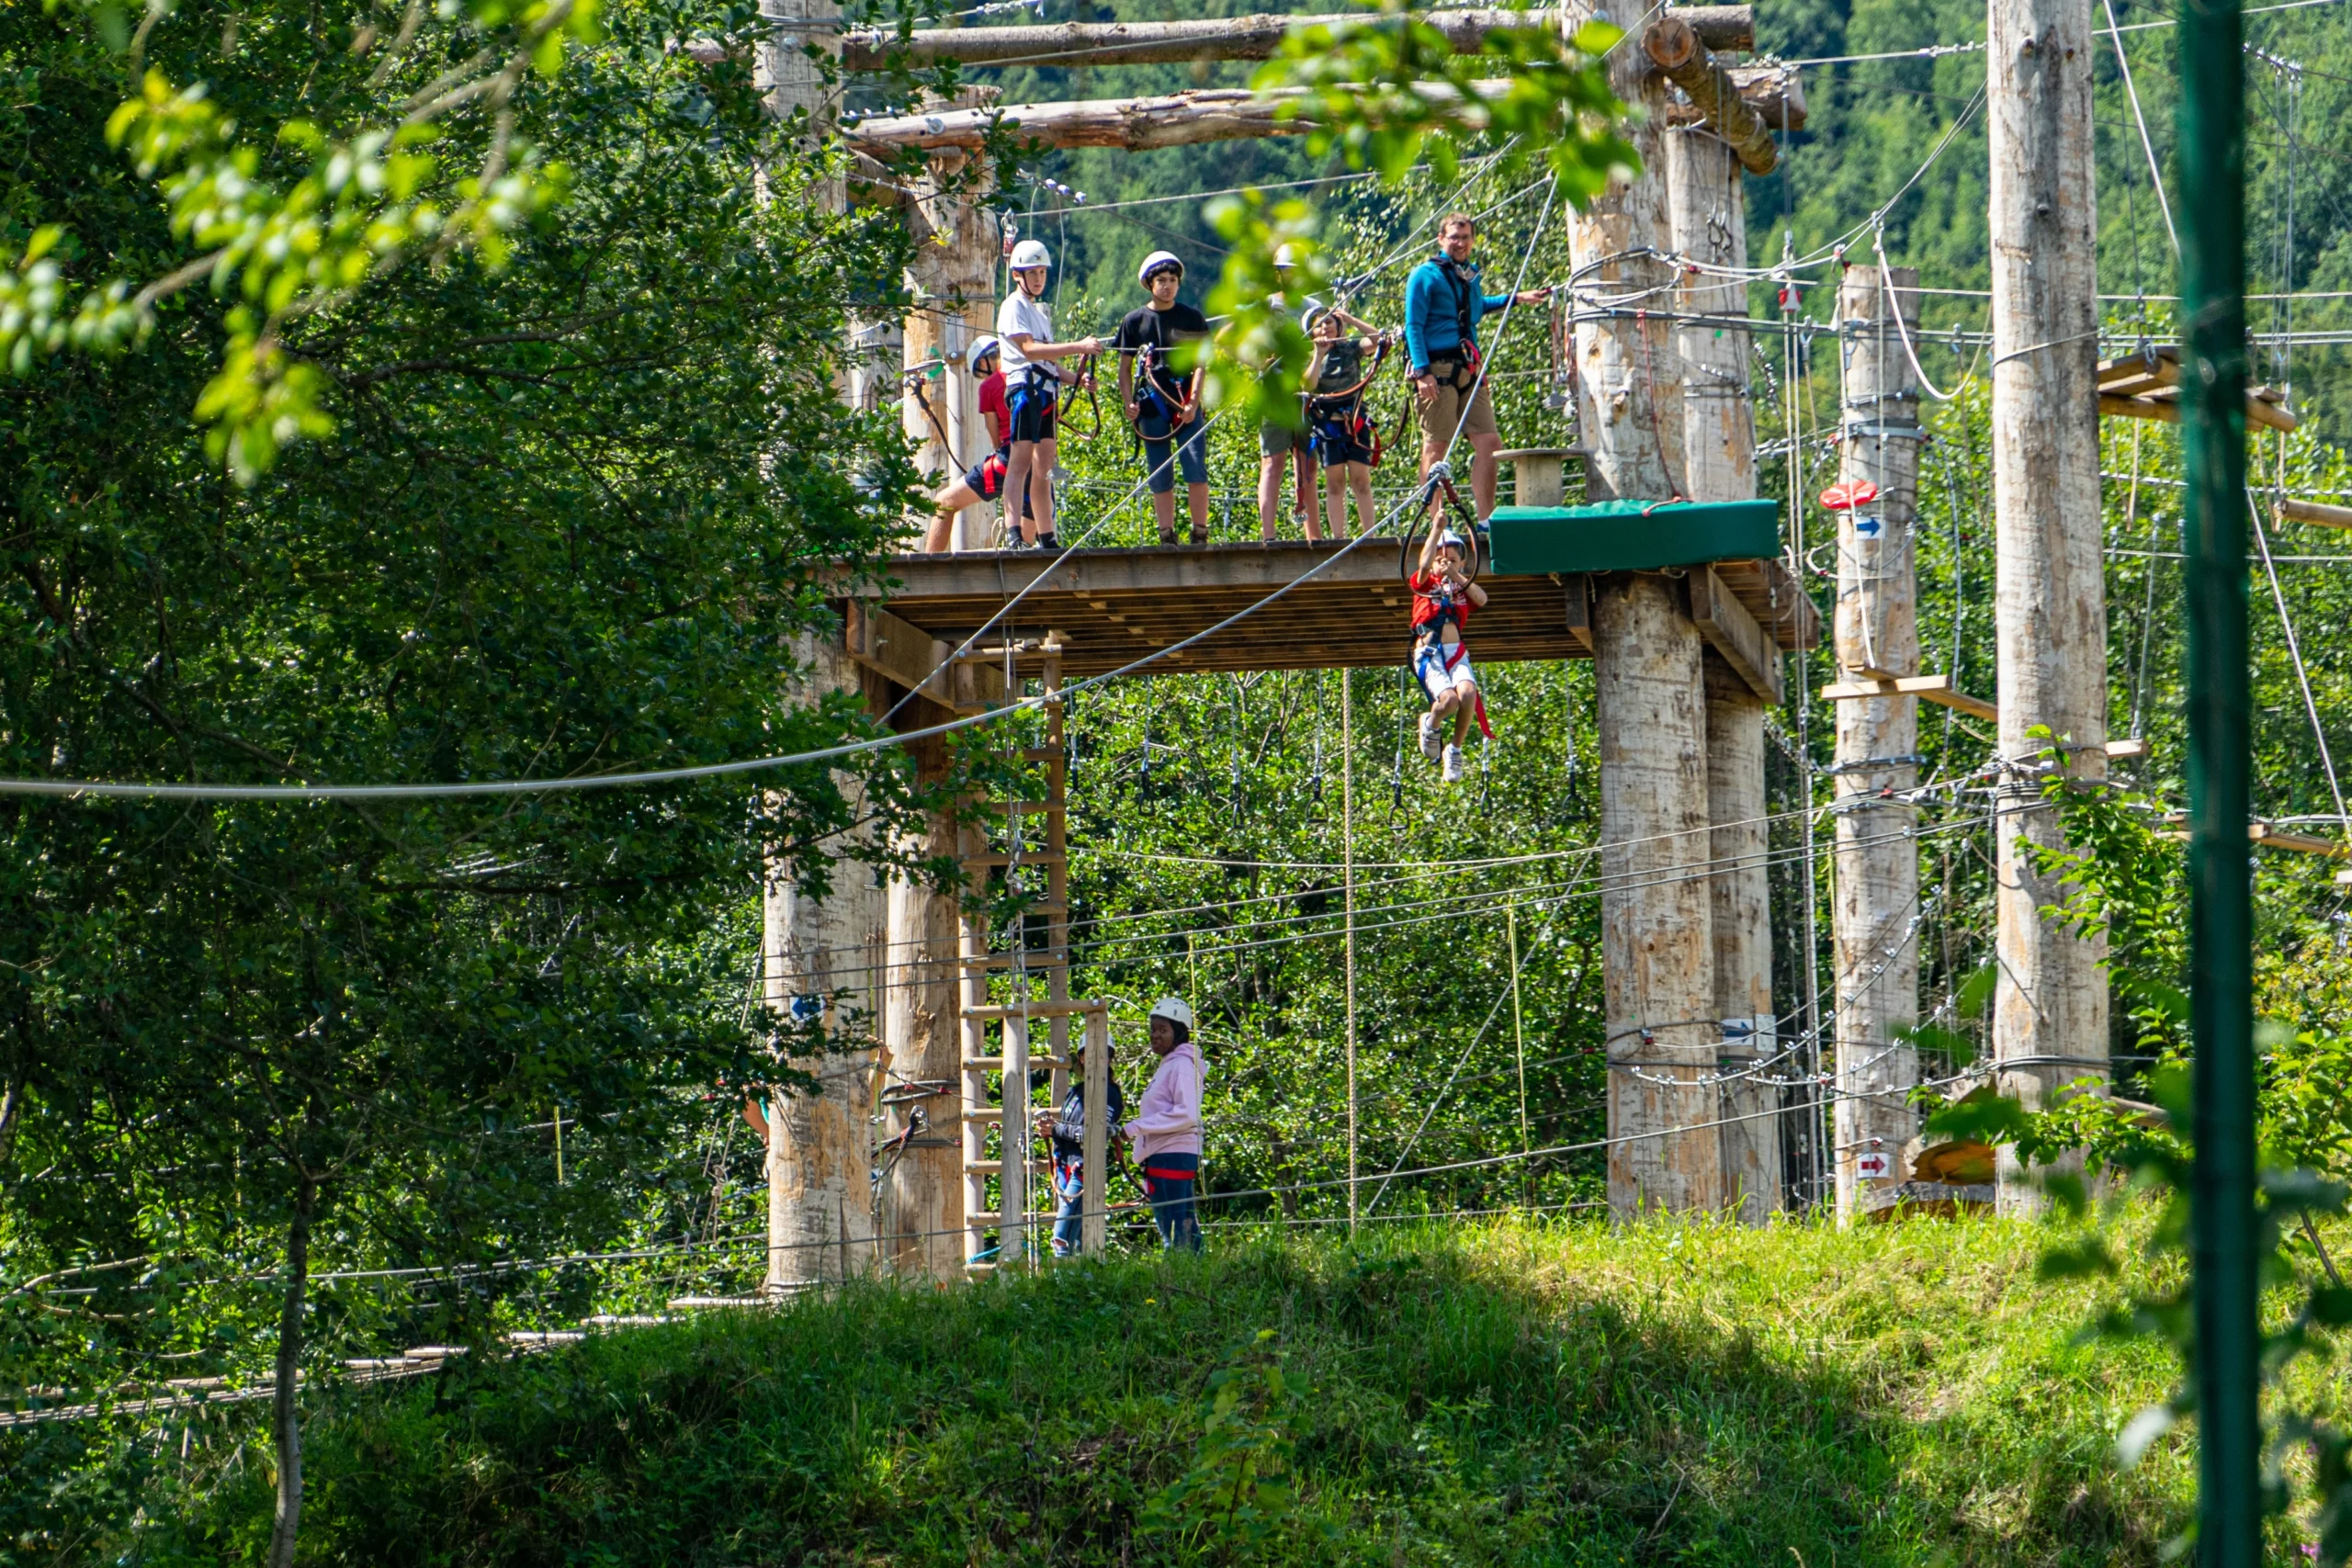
x,y
1166,1130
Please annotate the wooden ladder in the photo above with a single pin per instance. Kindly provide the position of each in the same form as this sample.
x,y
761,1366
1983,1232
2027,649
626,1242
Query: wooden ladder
x,y
997,990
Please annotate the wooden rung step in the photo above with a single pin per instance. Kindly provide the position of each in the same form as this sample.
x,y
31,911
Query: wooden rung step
x,y
1035,958
991,1113
996,1064
1023,807
996,1166
1027,857
1036,1010
1044,755
986,1217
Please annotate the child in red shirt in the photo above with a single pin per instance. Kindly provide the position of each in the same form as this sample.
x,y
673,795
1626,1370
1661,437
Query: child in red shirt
x,y
985,480
1443,596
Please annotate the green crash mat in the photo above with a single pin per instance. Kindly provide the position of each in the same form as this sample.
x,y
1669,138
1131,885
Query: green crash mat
x,y
1631,536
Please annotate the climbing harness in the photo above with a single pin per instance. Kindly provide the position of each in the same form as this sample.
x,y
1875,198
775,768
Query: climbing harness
x,y
1336,420
1085,383
914,380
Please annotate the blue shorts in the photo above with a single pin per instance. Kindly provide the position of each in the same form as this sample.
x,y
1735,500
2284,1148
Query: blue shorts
x,y
1188,439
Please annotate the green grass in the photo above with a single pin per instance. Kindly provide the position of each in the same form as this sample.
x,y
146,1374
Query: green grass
x,y
1519,1394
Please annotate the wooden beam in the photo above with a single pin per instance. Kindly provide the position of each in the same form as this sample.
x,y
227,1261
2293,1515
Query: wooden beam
x,y
1775,91
1732,632
1673,47
1579,611
1211,114
2148,386
2271,838
911,657
2295,510
1230,38
1935,689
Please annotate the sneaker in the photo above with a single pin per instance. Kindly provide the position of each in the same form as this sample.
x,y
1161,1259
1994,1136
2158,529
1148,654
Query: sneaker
x,y
1049,543
1454,764
1428,736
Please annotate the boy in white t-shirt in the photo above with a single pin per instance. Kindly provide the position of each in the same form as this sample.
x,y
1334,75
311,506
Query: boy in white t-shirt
x,y
1030,380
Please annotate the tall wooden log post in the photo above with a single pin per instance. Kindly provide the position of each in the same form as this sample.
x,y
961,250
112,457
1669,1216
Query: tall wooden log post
x,y
2049,1016
820,956
1877,855
953,281
1656,944
1708,209
922,1189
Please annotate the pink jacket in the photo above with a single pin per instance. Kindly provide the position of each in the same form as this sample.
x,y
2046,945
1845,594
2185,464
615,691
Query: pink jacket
x,y
1169,1120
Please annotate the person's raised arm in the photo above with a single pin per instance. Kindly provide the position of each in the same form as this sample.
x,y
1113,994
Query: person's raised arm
x,y
1429,545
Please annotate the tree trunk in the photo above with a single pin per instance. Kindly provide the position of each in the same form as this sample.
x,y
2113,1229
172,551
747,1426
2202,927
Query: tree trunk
x,y
2050,1018
12,1111
1217,38
821,958
953,280
286,1414
1707,210
923,1197
1877,914
1656,933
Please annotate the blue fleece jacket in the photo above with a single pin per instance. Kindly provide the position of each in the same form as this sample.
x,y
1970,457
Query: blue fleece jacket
x,y
1431,323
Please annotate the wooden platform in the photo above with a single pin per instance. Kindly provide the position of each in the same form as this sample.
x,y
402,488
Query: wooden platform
x,y
1112,607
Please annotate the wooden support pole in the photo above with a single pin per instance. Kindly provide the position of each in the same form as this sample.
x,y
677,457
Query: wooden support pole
x,y
922,1193
1348,895
1094,1205
2050,1005
1875,918
953,279
1212,39
1707,213
819,955
1656,933
1673,47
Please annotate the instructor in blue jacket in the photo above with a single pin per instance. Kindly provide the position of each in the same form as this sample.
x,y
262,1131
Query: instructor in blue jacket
x,y
1444,303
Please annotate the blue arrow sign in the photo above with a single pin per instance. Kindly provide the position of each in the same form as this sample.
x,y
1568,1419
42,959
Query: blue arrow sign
x,y
1870,527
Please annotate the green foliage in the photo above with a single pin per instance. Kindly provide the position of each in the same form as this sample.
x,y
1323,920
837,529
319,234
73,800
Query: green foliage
x,y
1238,1497
2304,1309
1578,1395
370,199
1383,94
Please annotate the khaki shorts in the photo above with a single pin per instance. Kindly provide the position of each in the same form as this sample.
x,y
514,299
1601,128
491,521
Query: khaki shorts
x,y
1438,418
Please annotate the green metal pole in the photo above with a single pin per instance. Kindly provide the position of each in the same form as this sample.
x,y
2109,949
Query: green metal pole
x,y
2212,287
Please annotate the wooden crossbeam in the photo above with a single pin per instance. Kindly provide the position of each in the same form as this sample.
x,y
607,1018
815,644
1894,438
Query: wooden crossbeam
x,y
2270,838
1674,48
1733,633
1934,689
1223,38
2295,510
2148,386
1210,113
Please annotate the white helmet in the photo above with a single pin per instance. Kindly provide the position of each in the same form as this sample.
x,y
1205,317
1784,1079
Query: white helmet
x,y
1029,254
981,348
1449,538
1174,1011
1159,261
1286,256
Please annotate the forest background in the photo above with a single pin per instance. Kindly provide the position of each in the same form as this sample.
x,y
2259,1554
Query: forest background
x,y
543,537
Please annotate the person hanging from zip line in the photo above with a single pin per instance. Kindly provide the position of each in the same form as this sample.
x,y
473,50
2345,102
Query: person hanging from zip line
x,y
1163,402
1345,442
1443,596
1067,1131
1278,444
1443,304
1166,1131
1033,380
985,480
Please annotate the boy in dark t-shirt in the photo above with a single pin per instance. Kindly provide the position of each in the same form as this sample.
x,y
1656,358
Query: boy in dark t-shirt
x,y
1067,1129
1160,367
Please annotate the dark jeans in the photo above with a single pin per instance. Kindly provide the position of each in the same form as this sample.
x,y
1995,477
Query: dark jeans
x,y
1169,1179
1069,1189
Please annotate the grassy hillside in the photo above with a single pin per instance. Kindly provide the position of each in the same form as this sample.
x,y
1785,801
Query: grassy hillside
x,y
1514,1396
